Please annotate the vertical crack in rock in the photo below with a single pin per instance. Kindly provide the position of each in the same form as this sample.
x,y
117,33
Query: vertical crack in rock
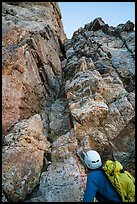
x,y
103,110
95,69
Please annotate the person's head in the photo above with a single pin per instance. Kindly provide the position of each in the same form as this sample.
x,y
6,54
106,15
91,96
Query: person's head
x,y
92,159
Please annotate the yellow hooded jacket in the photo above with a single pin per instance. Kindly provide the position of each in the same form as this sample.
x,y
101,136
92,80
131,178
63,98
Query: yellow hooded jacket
x,y
122,180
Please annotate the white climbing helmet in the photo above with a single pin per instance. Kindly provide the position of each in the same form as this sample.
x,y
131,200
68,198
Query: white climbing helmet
x,y
92,159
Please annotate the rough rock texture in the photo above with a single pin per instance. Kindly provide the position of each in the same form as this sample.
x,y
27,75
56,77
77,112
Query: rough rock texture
x,y
32,37
100,86
60,96
99,73
65,187
23,155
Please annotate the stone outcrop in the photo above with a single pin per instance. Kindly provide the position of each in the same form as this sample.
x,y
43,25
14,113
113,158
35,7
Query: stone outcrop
x,y
32,74
65,187
58,94
23,155
100,85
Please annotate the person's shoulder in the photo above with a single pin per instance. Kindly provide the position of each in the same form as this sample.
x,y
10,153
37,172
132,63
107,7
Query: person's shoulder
x,y
95,172
95,175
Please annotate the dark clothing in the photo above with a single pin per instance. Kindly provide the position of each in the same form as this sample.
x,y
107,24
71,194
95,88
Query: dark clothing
x,y
99,186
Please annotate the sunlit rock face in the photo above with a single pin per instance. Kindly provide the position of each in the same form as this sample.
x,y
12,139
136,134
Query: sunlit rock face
x,y
23,155
32,34
100,86
59,96
99,83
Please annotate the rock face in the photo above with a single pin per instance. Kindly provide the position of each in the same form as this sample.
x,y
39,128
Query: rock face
x,y
32,75
23,155
65,187
100,86
61,95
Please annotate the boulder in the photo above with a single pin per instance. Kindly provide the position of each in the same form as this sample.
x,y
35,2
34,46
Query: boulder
x,y
23,154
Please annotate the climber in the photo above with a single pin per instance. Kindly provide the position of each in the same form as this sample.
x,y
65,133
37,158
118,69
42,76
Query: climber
x,y
98,185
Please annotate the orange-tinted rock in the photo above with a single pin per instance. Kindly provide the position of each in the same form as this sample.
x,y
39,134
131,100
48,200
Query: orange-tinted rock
x,y
31,68
23,154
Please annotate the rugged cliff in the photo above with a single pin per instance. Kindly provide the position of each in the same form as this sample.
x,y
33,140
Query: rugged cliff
x,y
32,75
60,93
